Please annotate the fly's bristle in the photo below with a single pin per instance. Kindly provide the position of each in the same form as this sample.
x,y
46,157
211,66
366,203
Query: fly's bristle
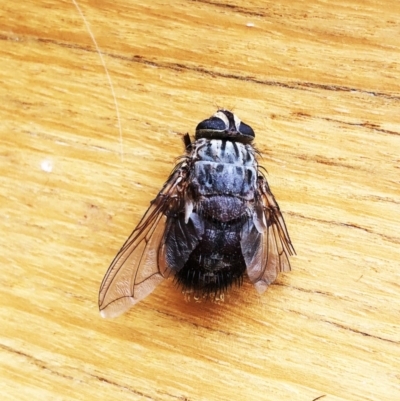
x,y
201,285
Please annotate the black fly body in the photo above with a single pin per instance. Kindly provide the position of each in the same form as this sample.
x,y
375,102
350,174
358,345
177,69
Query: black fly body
x,y
214,220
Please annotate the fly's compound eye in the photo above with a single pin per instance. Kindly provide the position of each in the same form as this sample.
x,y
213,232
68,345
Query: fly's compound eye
x,y
225,125
246,131
210,126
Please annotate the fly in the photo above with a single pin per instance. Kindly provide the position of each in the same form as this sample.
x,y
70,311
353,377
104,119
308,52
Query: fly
x,y
214,220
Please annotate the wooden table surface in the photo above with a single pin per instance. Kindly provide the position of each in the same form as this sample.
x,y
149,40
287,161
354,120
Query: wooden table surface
x,y
319,83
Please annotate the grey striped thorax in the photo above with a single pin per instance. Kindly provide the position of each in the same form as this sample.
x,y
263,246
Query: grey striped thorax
x,y
224,175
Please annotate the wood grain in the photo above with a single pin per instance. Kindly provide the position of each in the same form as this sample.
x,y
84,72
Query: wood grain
x,y
319,83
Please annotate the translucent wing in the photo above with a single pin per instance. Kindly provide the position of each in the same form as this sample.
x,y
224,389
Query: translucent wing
x,y
140,265
265,241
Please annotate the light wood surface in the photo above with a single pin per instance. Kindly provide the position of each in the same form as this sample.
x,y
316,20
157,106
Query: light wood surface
x,y
319,83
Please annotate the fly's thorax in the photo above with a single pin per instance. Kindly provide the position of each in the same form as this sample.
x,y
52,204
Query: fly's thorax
x,y
223,168
212,178
223,151
223,208
223,178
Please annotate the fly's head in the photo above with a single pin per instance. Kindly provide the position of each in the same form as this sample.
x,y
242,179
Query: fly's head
x,y
225,125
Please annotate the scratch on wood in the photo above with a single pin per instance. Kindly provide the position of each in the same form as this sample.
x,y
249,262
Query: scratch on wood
x,y
107,74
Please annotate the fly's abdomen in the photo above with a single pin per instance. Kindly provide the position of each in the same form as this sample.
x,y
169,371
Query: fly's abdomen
x,y
217,262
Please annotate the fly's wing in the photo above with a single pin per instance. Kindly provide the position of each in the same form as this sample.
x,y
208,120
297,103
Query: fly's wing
x,y
265,241
181,237
139,266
